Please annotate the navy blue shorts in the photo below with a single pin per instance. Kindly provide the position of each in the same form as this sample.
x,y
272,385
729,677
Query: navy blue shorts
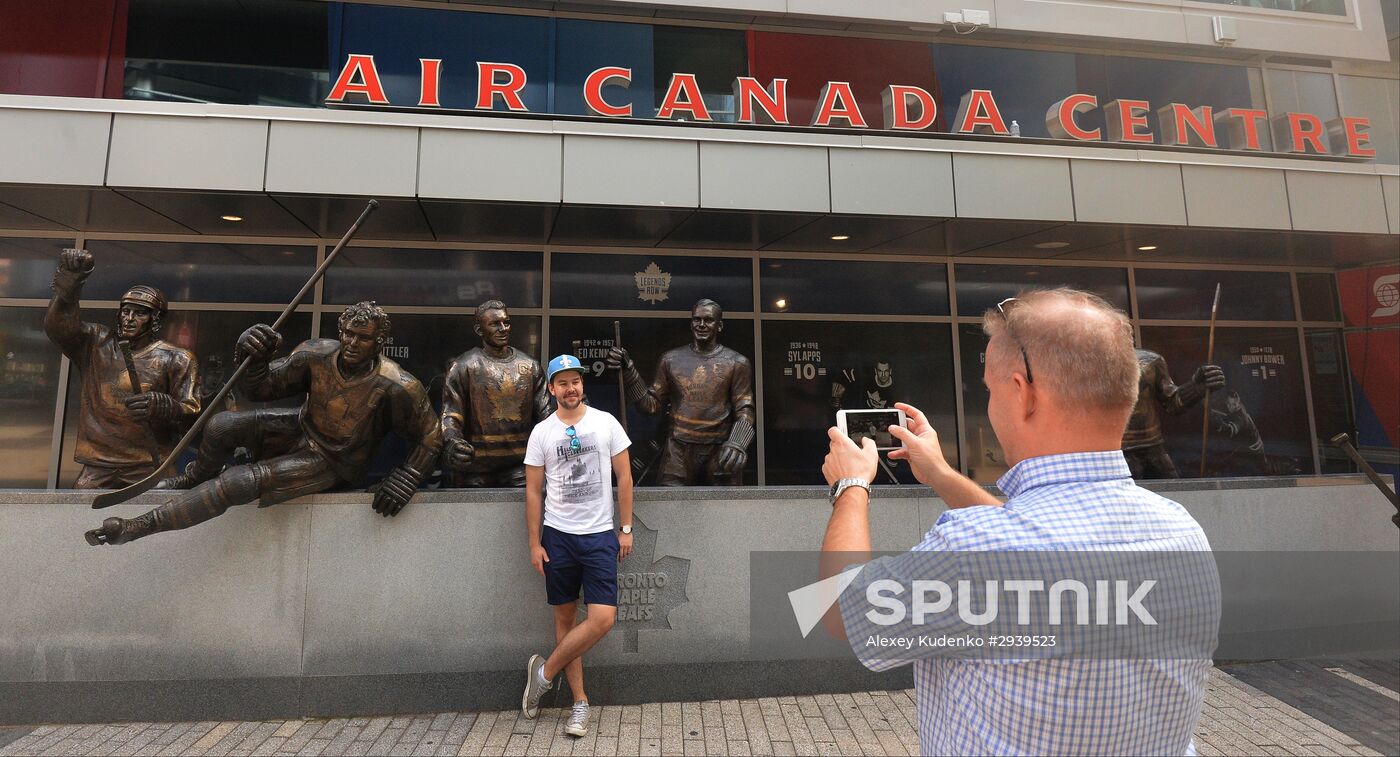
x,y
580,562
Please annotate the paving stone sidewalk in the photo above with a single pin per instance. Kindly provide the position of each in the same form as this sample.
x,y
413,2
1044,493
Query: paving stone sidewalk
x,y
1239,719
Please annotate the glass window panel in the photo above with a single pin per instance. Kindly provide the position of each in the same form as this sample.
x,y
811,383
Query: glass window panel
x,y
646,339
1186,294
1378,100
1024,82
29,365
1317,297
582,47
195,271
649,282
826,286
442,278
1331,396
1329,7
715,56
221,52
1263,402
809,61
980,287
812,369
212,337
398,37
424,344
1161,82
1298,92
27,266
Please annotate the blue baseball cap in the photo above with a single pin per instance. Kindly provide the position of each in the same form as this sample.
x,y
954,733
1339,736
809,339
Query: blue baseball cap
x,y
563,363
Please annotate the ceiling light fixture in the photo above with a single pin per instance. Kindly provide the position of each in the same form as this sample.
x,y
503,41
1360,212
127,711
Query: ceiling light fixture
x,y
840,238
1051,245
780,304
1147,248
232,218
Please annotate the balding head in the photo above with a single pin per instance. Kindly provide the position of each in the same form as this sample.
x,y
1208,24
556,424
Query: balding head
x,y
1080,349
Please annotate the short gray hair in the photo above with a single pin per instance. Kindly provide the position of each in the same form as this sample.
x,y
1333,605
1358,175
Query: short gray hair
x,y
1079,345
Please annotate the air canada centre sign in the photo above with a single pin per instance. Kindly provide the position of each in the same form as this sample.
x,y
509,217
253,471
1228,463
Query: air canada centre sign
x,y
906,108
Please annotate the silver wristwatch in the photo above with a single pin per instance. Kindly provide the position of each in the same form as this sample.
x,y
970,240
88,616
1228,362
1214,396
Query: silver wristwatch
x,y
627,529
846,483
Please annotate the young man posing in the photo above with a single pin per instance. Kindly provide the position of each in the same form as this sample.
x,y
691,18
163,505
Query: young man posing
x,y
568,461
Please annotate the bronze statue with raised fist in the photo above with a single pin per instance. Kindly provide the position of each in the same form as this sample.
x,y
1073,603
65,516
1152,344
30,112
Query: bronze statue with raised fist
x,y
354,396
707,389
137,391
494,395
1143,443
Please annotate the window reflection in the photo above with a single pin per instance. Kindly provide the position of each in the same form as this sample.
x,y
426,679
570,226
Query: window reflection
x,y
223,53
1181,294
814,368
427,278
981,287
196,271
649,282
1024,82
27,266
873,287
28,388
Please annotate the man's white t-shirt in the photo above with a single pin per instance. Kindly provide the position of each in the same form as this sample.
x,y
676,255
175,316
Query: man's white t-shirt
x,y
578,483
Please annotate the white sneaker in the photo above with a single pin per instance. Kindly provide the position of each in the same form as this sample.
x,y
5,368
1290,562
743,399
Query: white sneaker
x,y
578,720
534,688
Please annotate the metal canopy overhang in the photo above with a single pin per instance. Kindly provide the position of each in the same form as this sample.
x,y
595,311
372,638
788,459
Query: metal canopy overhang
x,y
67,210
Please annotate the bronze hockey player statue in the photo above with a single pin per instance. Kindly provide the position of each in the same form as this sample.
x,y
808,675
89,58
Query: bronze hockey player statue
x,y
707,389
354,396
494,395
120,426
1143,443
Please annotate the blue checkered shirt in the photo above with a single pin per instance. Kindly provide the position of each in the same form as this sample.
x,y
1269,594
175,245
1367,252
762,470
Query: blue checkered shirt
x,y
1072,502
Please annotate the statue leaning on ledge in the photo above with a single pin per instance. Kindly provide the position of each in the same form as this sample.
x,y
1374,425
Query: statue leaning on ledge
x,y
494,395
708,390
1143,443
354,396
120,425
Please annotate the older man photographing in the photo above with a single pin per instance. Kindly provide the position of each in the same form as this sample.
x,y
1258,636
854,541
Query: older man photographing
x,y
1063,378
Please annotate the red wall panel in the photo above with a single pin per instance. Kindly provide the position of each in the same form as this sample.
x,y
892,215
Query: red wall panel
x,y
73,48
808,62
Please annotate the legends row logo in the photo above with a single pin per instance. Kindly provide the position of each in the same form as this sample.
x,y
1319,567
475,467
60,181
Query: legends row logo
x,y
905,108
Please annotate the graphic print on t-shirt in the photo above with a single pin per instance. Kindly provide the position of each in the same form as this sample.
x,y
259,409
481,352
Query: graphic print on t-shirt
x,y
583,472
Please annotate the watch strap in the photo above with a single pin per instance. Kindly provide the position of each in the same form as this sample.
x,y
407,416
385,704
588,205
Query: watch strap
x,y
846,483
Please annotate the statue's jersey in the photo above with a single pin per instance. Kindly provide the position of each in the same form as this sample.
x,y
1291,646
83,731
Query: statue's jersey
x,y
344,419
107,434
705,392
493,404
1156,394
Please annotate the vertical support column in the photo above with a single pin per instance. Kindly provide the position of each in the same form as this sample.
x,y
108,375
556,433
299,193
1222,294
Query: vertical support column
x,y
1307,371
759,448
959,410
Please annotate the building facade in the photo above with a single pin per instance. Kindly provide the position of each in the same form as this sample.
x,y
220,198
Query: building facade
x,y
855,183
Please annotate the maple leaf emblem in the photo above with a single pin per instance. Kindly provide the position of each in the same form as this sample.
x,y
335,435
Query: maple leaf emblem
x,y
648,589
653,284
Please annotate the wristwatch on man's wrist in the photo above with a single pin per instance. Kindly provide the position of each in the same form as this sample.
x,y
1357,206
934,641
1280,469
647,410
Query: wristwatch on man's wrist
x,y
841,486
627,529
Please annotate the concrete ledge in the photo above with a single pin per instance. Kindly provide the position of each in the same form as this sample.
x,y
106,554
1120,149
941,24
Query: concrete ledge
x,y
321,607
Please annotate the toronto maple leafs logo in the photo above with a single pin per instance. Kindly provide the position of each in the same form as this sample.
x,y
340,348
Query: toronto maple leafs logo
x,y
648,589
653,284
